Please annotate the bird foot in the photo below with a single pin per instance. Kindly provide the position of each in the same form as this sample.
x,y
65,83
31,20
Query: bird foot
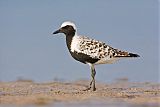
x,y
90,88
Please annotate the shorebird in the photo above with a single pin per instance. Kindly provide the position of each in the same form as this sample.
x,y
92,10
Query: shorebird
x,y
90,51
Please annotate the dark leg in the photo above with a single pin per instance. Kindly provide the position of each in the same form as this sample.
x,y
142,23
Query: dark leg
x,y
92,83
93,73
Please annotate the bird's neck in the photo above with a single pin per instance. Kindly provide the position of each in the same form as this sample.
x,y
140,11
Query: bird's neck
x,y
69,40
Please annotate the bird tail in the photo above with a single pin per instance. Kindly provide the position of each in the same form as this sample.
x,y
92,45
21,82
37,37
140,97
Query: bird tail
x,y
125,54
133,55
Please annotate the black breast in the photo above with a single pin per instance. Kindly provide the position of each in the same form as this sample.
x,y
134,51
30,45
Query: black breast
x,y
83,57
70,32
79,56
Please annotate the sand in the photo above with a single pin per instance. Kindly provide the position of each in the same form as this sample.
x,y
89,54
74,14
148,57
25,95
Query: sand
x,y
31,93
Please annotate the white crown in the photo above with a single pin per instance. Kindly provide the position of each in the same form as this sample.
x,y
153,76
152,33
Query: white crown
x,y
69,23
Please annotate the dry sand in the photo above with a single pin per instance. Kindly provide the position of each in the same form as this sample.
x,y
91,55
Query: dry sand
x,y
28,92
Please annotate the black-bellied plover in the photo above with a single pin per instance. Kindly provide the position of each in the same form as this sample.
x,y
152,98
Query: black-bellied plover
x,y
90,51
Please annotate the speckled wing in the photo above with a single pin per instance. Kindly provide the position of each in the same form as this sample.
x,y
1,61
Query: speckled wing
x,y
94,48
98,50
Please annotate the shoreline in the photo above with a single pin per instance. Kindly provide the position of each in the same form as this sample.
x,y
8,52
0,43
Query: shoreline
x,y
28,92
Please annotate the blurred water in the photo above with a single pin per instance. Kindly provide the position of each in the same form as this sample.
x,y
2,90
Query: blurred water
x,y
88,104
29,51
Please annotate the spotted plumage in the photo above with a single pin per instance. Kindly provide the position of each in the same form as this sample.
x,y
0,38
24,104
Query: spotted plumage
x,y
97,50
90,51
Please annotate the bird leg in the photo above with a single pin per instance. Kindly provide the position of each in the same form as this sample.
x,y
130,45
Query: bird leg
x,y
92,83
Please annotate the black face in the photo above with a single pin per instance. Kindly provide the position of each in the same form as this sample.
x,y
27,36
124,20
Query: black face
x,y
67,30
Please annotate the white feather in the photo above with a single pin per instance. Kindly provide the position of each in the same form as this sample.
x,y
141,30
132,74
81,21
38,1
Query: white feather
x,y
68,23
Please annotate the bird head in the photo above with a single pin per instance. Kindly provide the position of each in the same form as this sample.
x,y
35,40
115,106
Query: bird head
x,y
67,28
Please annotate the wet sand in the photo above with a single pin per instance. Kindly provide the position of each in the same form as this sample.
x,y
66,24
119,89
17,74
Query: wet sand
x,y
55,93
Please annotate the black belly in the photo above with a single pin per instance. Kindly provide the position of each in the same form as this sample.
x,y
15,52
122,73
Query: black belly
x,y
83,58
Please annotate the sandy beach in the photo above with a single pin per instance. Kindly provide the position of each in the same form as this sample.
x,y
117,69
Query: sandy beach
x,y
31,93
